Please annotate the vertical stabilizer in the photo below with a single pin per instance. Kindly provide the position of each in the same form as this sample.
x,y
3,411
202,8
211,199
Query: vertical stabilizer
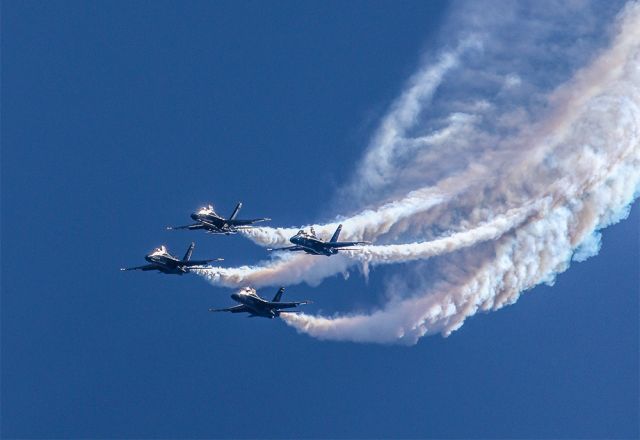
x,y
278,296
235,211
336,234
187,256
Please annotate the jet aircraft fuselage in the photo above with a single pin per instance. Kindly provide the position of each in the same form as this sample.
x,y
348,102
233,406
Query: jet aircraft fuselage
x,y
161,260
311,244
209,220
254,305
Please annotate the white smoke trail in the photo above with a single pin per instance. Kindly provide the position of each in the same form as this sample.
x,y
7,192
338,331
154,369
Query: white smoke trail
x,y
401,253
513,193
291,269
286,270
596,165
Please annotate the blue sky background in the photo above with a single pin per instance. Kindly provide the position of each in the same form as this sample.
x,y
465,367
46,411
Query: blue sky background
x,y
120,118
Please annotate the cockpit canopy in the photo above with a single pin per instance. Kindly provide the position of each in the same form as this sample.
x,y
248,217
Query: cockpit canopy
x,y
248,291
206,210
304,233
159,250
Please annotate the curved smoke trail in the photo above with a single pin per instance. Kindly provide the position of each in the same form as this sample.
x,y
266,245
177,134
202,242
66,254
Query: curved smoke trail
x,y
509,193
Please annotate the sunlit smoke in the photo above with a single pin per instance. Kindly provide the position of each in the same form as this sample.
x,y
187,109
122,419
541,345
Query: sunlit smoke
x,y
516,170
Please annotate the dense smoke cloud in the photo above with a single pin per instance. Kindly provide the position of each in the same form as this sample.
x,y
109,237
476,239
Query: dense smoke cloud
x,y
513,155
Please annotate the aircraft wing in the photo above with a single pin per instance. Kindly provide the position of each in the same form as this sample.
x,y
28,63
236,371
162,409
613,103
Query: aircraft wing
x,y
342,244
209,225
145,267
193,263
288,305
235,309
247,222
195,226
287,248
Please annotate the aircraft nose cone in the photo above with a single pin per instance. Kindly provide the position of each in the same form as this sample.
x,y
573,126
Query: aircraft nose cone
x,y
235,297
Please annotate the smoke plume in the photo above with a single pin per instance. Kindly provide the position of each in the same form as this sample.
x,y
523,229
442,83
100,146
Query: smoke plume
x,y
496,167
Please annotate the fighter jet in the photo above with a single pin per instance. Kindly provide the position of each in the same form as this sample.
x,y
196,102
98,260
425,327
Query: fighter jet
x,y
311,244
207,219
164,262
254,305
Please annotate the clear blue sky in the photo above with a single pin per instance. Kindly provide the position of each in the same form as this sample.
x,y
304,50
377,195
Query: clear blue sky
x,y
120,118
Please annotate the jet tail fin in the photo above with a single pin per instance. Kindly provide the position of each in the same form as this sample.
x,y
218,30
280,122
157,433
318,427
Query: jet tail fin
x,y
278,296
235,211
336,234
187,256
